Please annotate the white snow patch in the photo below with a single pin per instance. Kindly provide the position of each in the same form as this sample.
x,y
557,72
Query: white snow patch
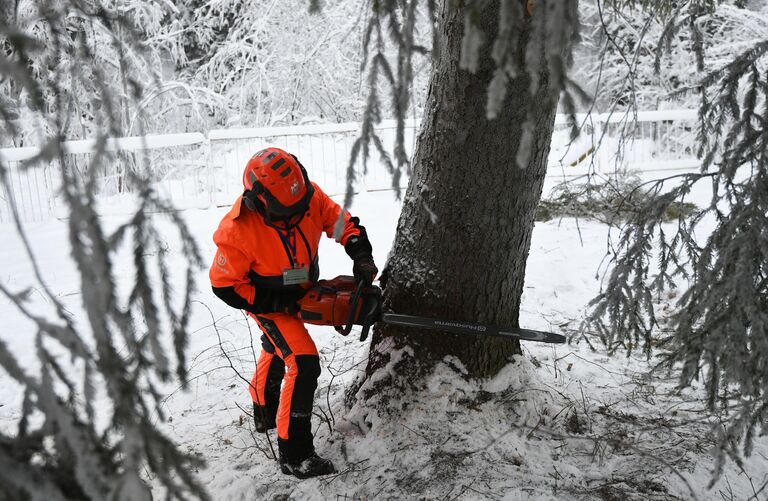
x,y
510,437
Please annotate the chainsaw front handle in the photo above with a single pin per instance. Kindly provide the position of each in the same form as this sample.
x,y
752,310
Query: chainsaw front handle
x,y
371,315
345,330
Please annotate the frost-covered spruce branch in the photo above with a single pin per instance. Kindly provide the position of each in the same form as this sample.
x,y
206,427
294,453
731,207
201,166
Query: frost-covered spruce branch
x,y
719,334
122,349
88,426
383,17
127,51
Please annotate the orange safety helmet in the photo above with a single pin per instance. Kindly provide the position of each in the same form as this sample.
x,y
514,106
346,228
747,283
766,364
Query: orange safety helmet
x,y
277,186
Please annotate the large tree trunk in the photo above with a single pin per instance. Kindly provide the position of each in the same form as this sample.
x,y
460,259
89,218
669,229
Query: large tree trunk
x,y
465,229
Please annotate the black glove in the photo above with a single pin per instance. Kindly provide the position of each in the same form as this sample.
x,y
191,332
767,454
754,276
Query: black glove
x,y
364,269
278,300
358,247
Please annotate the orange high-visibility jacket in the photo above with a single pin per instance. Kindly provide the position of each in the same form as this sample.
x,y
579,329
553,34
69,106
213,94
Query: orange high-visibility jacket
x,y
252,254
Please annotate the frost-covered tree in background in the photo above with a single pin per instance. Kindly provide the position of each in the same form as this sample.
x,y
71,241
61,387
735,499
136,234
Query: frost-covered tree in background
x,y
250,63
88,427
620,64
123,71
274,62
277,63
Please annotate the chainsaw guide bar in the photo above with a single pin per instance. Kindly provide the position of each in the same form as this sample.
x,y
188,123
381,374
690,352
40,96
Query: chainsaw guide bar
x,y
458,327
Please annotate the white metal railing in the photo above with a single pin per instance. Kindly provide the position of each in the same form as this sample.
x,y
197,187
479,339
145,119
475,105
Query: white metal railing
x,y
201,170
648,141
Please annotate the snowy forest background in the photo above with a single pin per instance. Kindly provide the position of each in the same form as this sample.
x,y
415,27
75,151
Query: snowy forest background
x,y
233,63
565,423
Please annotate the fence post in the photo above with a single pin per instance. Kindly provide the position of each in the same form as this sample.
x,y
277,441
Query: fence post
x,y
209,171
5,208
599,129
361,168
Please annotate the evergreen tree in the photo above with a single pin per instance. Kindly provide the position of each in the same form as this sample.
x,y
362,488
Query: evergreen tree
x,y
477,175
62,60
719,333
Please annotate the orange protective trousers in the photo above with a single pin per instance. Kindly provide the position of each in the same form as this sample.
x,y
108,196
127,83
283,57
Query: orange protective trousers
x,y
288,352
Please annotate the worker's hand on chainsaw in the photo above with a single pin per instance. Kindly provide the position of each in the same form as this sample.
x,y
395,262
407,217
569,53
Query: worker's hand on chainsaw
x,y
364,270
359,249
280,300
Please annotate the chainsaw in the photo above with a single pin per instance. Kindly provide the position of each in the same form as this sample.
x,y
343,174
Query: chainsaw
x,y
343,303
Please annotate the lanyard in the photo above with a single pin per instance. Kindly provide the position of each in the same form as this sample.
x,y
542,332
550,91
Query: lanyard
x,y
290,249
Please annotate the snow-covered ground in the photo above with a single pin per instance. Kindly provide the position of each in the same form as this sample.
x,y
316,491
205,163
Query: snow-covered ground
x,y
562,422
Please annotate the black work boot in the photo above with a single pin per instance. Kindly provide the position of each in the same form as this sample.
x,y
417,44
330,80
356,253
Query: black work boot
x,y
263,418
298,456
313,466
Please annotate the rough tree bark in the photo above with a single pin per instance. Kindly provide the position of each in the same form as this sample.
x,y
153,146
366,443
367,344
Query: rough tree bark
x,y
465,229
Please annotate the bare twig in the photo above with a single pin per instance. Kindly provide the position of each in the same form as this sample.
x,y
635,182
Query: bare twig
x,y
239,375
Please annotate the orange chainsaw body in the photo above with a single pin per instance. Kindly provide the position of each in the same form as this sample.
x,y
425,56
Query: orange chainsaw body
x,y
340,302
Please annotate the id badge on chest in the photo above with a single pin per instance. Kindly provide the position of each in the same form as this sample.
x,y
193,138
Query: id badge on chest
x,y
295,276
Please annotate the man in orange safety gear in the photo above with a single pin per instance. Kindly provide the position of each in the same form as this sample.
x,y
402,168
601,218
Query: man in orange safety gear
x,y
265,262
